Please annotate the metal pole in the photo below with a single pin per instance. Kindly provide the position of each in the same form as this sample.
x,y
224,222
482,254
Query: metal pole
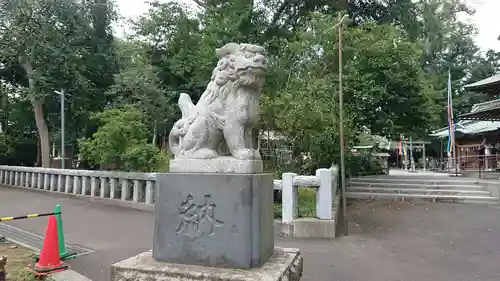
x,y
63,158
456,158
441,159
405,161
425,160
341,119
411,156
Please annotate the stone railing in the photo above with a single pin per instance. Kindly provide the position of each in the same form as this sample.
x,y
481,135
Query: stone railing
x,y
137,190
325,181
132,187
125,188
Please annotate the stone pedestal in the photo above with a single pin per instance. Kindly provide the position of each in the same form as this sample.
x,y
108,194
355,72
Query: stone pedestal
x,y
283,265
216,220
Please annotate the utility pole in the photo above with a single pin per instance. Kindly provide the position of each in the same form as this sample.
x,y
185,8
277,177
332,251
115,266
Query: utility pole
x,y
63,158
341,119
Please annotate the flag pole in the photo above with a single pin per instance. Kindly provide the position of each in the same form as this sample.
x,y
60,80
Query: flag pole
x,y
452,146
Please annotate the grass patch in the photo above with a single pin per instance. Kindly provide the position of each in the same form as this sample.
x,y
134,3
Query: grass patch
x,y
18,261
306,204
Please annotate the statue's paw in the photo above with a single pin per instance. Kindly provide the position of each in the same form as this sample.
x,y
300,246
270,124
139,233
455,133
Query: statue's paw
x,y
204,153
244,154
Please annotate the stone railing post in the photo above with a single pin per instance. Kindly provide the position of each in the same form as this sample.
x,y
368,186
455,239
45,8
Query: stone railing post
x,y
125,189
324,195
112,188
85,185
46,181
34,177
53,182
104,187
149,192
67,184
27,179
93,186
60,181
77,188
288,195
16,178
136,191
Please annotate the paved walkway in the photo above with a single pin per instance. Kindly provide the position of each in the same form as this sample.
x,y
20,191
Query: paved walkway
x,y
387,241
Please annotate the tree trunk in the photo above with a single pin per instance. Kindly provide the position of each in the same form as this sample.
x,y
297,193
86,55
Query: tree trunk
x,y
41,124
38,153
43,132
154,133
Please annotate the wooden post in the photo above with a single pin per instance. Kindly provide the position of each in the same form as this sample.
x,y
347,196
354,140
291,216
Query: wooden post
x,y
341,119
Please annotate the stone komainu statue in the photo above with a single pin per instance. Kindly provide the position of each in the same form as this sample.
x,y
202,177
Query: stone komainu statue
x,y
227,111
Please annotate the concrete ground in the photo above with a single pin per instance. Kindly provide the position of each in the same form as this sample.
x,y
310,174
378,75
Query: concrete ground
x,y
387,241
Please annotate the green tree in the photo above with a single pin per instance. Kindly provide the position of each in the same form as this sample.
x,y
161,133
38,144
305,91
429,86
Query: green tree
x,y
138,84
46,40
121,140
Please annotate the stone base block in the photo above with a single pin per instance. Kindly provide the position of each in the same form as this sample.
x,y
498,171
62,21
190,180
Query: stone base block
x,y
307,228
219,220
217,165
284,265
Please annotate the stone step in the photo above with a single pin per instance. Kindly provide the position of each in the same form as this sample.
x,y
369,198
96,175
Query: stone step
x,y
418,191
393,184
440,198
464,181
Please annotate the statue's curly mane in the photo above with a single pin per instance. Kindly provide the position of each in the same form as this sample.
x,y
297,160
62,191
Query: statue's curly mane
x,y
224,81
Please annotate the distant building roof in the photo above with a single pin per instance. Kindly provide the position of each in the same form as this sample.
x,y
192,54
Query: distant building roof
x,y
469,127
490,85
486,111
480,119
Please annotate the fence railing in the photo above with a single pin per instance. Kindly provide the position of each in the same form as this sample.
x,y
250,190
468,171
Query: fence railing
x,y
140,187
325,181
471,163
135,187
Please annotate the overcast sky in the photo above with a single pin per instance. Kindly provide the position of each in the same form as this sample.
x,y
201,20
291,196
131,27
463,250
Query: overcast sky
x,y
486,18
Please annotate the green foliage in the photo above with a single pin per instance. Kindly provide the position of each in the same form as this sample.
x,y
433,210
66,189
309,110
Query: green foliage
x,y
143,157
382,95
364,164
138,84
121,140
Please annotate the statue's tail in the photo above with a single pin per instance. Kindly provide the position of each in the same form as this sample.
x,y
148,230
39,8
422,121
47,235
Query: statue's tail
x,y
175,137
186,105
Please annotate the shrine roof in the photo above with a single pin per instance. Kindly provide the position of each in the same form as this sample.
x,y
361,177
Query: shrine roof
x,y
486,111
490,85
468,127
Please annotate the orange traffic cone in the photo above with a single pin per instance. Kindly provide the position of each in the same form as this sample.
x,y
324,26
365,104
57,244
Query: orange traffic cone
x,y
50,261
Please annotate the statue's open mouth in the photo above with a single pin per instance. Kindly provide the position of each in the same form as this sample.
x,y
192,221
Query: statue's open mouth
x,y
258,71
